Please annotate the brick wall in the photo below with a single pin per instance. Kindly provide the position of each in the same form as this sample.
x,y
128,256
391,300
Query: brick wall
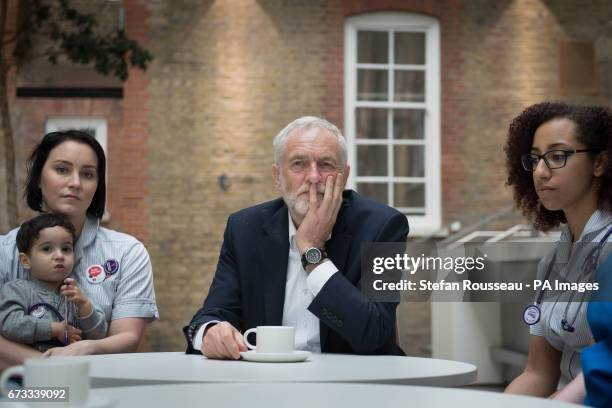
x,y
131,152
226,78
127,134
228,75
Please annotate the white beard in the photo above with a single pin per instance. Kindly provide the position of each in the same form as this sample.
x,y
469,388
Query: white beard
x,y
297,205
297,202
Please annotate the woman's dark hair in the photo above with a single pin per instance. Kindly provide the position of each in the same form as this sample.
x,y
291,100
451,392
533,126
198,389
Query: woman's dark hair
x,y
30,230
593,129
37,159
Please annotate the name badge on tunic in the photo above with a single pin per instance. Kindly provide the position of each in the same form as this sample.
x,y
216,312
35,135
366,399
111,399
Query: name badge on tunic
x,y
95,274
531,315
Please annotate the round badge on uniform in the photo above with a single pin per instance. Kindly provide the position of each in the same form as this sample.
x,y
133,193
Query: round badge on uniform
x,y
111,266
38,312
531,314
95,274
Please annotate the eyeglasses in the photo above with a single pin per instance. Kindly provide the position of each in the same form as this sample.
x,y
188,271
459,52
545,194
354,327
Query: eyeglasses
x,y
554,159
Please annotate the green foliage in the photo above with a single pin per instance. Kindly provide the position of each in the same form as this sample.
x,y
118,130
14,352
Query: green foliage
x,y
73,34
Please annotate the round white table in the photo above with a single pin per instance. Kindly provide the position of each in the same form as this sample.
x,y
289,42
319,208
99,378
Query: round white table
x,y
163,368
268,395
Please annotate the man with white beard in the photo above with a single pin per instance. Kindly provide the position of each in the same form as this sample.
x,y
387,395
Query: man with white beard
x,y
295,261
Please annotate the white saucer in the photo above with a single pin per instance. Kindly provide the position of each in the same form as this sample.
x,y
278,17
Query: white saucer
x,y
296,356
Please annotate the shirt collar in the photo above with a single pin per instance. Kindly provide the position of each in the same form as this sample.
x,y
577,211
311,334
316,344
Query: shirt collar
x,y
598,220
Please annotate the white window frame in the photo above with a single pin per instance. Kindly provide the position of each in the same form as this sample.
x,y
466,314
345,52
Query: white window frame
x,y
57,123
431,222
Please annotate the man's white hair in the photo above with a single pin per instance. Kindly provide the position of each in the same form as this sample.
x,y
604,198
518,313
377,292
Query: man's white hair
x,y
305,123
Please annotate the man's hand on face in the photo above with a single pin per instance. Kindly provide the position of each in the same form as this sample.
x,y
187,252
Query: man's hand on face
x,y
320,219
223,341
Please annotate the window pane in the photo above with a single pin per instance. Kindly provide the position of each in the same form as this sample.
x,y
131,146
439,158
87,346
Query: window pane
x,y
409,124
371,160
375,191
371,123
409,194
410,48
372,47
409,161
371,85
410,86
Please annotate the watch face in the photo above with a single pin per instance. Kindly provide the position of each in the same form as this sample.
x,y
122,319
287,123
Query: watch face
x,y
313,255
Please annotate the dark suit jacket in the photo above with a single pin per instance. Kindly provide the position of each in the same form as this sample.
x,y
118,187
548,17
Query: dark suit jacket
x,y
248,289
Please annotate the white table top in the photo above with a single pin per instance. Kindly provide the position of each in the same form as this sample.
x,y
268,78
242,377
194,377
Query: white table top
x,y
310,395
159,368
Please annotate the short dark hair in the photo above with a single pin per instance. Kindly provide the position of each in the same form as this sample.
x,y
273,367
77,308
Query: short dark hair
x,y
593,129
30,230
37,159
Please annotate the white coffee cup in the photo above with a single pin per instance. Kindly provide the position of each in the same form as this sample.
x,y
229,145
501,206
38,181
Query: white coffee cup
x,y
272,339
55,372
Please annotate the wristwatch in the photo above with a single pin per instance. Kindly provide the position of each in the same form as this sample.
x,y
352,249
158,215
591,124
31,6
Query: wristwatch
x,y
313,256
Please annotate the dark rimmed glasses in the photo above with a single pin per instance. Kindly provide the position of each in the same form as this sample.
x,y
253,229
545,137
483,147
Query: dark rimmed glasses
x,y
554,159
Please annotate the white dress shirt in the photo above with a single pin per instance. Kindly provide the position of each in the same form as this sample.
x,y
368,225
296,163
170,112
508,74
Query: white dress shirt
x,y
300,289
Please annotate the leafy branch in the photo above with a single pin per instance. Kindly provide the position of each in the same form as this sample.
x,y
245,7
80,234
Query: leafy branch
x,y
73,34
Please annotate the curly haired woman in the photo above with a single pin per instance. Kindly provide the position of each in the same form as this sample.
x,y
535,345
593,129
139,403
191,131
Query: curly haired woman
x,y
557,157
